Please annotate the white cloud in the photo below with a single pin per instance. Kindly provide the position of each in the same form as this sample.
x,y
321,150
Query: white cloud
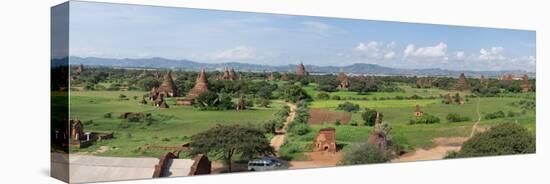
x,y
237,53
376,49
408,50
316,25
389,55
460,55
495,53
370,48
438,50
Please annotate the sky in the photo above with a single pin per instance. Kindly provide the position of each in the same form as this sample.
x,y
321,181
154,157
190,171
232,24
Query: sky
x,y
211,36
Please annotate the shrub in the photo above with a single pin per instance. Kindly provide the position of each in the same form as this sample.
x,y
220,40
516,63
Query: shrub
x,y
337,122
513,114
108,115
298,128
353,123
133,119
369,117
364,153
323,96
495,115
502,139
455,117
348,106
336,97
166,139
425,119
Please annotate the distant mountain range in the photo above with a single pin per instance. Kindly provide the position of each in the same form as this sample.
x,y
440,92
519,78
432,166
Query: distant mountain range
x,y
358,68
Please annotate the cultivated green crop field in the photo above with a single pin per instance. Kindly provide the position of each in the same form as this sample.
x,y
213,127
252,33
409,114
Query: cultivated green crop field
x,y
171,127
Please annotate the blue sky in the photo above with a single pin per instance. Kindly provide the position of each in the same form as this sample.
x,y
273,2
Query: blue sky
x,y
129,31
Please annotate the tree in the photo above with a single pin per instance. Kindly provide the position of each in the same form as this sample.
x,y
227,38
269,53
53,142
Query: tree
x,y
364,153
148,83
369,117
502,139
348,107
265,92
294,93
323,96
223,142
212,101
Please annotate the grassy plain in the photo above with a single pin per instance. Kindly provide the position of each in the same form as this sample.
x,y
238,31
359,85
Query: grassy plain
x,y
169,127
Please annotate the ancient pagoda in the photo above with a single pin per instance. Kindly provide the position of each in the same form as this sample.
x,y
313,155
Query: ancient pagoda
x,y
423,83
241,104
525,83
228,75
80,69
325,140
361,78
462,84
418,112
284,77
378,136
143,74
301,70
370,81
271,77
201,86
344,83
484,82
167,87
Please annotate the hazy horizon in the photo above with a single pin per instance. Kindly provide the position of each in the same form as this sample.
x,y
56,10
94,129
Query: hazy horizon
x,y
121,31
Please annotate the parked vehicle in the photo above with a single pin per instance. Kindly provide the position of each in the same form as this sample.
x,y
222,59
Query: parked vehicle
x,y
264,164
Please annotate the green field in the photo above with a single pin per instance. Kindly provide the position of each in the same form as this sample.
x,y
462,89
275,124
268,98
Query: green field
x,y
398,113
174,126
171,127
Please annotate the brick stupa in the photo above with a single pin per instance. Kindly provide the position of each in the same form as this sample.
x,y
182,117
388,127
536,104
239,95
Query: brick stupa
x,y
301,70
344,83
201,86
525,84
167,87
462,84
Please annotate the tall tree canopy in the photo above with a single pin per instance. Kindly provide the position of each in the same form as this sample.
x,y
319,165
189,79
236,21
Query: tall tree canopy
x,y
223,142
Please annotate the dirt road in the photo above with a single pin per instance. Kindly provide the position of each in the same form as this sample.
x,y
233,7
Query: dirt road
x,y
279,139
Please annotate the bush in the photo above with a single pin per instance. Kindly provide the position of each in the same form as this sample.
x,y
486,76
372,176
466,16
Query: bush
x,y
336,97
348,106
369,117
502,139
425,119
337,122
455,117
513,114
298,128
364,153
108,115
323,96
495,115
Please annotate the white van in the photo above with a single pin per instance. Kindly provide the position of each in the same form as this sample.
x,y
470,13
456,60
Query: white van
x,y
263,164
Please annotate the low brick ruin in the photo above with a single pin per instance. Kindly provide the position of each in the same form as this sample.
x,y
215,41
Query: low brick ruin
x,y
325,140
80,139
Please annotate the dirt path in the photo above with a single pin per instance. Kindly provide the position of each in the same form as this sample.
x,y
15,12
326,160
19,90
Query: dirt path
x,y
278,140
443,145
316,159
474,128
